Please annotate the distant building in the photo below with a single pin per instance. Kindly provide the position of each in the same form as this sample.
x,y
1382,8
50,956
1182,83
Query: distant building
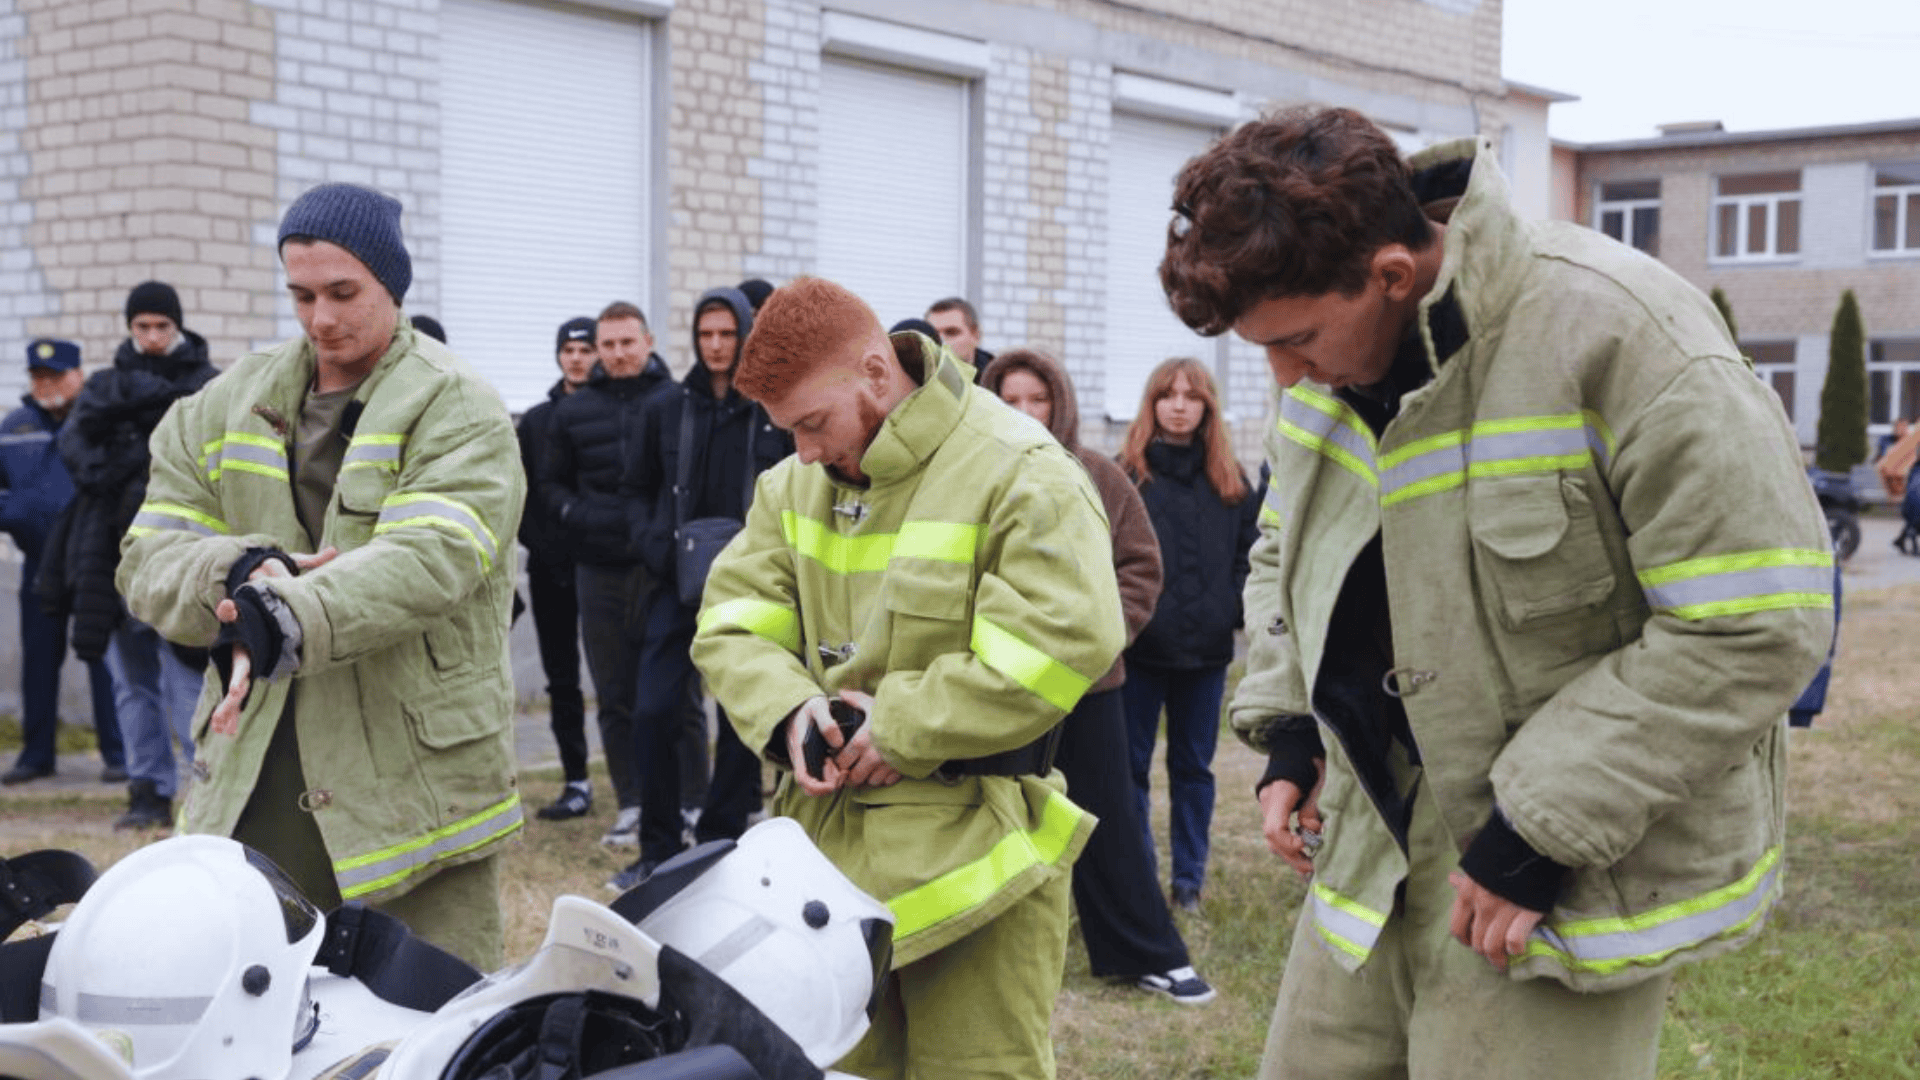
x,y
1782,222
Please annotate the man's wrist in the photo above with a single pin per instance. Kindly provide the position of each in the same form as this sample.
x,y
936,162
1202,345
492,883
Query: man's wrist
x,y
1503,863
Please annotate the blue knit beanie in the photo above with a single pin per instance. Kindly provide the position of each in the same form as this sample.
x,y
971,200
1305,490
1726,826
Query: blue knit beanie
x,y
359,219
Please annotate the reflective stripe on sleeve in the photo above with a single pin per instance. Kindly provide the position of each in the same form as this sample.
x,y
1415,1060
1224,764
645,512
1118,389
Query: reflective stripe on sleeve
x,y
373,452
1505,447
968,886
1741,583
1054,682
1608,945
1344,923
163,516
780,625
377,870
21,438
406,509
941,541
244,452
1328,427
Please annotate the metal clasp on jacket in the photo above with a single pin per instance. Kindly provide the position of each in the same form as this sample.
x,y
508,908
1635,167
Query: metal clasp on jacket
x,y
1278,627
853,509
831,655
315,799
1404,682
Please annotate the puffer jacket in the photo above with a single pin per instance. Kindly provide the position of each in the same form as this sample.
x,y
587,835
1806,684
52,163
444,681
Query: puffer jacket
x,y
405,700
540,528
1136,552
1203,552
104,445
1606,576
969,588
34,485
593,432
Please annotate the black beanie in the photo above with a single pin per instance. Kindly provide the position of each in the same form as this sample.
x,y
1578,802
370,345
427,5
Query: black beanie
x,y
757,290
154,298
359,219
431,327
577,329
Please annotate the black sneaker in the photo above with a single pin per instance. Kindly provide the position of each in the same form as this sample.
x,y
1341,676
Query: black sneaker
x,y
146,808
113,774
21,774
1182,985
639,871
572,803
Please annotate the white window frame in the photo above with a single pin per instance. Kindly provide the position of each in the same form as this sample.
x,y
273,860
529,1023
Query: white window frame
x,y
1743,204
1625,207
1903,196
1765,370
1896,409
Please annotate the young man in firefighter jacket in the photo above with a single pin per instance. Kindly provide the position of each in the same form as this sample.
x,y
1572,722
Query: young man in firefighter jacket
x,y
359,734
1539,577
938,560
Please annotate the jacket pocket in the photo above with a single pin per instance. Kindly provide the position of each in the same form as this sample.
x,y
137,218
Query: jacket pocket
x,y
1539,546
928,604
361,493
456,711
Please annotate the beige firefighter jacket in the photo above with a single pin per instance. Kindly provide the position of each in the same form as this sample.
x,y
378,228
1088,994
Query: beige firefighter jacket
x,y
1607,576
970,590
404,694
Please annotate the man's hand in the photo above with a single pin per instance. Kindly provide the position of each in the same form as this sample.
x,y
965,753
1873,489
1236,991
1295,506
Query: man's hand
x,y
226,715
859,759
1280,802
1488,923
813,712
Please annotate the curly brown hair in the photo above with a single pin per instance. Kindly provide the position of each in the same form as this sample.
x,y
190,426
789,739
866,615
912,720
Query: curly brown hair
x,y
1293,204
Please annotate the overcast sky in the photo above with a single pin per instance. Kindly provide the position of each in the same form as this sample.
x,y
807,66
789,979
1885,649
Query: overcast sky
x,y
1751,64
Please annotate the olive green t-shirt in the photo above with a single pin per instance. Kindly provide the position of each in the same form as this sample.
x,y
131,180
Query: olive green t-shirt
x,y
318,448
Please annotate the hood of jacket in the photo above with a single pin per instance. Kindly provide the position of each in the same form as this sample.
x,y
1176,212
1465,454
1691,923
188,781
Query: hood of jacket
x,y
924,418
1064,421
742,315
187,353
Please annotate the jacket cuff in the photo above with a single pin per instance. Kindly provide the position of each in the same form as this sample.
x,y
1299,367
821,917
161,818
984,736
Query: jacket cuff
x,y
1502,861
243,567
266,628
1293,744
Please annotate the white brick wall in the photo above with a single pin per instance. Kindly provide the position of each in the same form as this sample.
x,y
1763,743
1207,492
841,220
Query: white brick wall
x,y
1088,131
787,167
356,100
1007,207
23,289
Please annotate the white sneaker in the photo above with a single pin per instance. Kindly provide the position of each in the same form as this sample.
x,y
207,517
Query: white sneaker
x,y
1183,985
626,829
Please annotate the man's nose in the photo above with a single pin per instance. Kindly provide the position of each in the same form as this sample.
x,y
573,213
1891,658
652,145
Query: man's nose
x,y
1286,370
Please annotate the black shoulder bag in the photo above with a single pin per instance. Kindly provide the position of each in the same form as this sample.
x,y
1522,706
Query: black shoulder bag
x,y
698,542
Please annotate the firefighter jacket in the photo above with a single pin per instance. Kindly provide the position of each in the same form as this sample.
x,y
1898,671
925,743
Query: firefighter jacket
x,y
1607,578
404,698
970,590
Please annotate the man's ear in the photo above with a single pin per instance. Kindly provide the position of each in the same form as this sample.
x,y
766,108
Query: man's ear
x,y
1394,267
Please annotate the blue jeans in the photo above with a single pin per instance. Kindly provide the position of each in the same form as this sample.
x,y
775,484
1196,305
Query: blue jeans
x,y
43,645
1192,701
153,695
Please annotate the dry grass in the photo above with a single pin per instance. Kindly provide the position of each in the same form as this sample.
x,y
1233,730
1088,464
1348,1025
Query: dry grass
x,y
1831,990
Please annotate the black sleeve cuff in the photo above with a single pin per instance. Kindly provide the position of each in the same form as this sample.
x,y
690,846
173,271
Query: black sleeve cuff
x,y
250,560
256,630
1505,864
1293,745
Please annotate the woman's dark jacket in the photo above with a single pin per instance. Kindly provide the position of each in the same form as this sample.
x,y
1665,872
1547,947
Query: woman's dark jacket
x,y
1203,550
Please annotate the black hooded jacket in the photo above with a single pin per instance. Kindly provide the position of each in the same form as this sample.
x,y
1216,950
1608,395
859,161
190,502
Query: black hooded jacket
x,y
1203,548
723,429
104,445
593,433
539,524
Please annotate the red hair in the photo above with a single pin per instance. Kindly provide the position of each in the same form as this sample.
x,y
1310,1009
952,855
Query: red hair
x,y
805,324
1223,472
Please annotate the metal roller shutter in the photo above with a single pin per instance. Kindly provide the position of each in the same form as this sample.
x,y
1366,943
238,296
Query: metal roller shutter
x,y
543,206
1142,330
893,181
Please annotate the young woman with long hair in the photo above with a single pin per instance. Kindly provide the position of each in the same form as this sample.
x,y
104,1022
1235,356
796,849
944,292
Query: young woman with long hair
x,y
1204,512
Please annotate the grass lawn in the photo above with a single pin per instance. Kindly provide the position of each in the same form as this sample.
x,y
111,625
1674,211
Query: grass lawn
x,y
1831,989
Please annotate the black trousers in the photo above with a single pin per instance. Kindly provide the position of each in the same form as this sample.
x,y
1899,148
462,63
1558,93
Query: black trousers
x,y
1123,915
555,598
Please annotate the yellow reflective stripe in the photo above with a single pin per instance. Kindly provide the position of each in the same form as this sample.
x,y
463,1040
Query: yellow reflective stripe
x,y
375,451
1055,683
1751,604
452,514
1420,446
1744,560
1337,409
1609,944
243,465
941,541
363,874
242,451
1345,923
968,886
182,513
780,625
1741,583
1324,444
1541,463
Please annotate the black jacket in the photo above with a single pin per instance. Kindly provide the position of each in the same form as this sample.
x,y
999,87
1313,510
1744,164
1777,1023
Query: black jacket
x,y
104,445
1203,548
587,451
539,522
717,481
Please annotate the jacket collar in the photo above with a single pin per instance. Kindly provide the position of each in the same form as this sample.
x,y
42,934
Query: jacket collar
x,y
286,389
1482,268
922,421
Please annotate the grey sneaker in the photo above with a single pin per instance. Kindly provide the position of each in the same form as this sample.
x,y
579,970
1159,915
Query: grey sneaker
x,y
573,802
626,829
639,871
1182,985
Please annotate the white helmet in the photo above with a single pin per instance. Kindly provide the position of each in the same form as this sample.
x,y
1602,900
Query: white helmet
x,y
194,952
777,921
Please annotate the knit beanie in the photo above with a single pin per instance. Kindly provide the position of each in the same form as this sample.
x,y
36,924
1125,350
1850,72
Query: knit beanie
x,y
363,221
757,290
154,298
578,329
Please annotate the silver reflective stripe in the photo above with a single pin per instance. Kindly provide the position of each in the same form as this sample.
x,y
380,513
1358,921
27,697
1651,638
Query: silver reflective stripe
x,y
20,437
361,452
418,507
1521,445
357,877
1326,433
736,945
115,1011
1344,930
1653,943
233,451
49,1006
1441,461
1739,585
148,519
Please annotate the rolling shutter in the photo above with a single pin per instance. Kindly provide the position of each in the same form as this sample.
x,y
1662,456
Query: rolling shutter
x,y
543,209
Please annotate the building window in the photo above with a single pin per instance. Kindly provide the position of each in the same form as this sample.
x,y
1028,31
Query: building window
x,y
1756,215
1893,381
1629,211
1896,207
1774,362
